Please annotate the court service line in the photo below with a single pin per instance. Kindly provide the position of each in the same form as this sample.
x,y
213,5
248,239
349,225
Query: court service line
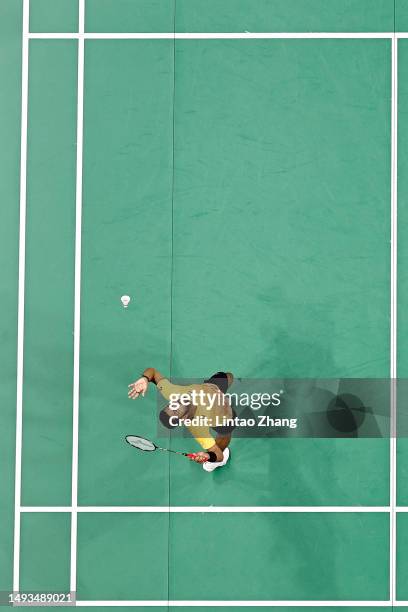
x,y
77,298
21,293
209,509
216,35
393,315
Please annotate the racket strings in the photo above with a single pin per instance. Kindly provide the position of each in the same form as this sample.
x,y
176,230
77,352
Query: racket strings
x,y
141,443
144,444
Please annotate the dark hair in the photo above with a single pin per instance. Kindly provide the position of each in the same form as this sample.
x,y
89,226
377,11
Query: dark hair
x,y
220,379
165,419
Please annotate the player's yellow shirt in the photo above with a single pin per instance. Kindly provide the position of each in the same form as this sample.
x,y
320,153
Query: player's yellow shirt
x,y
209,402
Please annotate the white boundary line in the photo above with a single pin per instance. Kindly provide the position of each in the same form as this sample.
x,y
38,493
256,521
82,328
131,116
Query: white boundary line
x,y
393,316
243,604
210,509
77,298
21,293
216,35
240,603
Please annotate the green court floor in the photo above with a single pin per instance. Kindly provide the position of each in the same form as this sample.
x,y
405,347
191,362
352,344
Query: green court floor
x,y
239,190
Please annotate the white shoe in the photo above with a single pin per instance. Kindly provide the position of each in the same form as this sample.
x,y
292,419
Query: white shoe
x,y
209,466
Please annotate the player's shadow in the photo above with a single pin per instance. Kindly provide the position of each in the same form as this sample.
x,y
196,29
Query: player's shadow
x,y
324,411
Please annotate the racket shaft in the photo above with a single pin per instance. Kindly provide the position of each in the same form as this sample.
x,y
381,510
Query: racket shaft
x,y
169,450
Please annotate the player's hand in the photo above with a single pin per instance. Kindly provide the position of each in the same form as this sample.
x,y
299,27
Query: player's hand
x,y
200,457
137,388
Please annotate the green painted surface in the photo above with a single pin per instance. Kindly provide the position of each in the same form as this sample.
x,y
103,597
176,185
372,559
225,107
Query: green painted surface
x,y
285,16
401,15
402,471
328,563
272,472
10,104
53,15
282,244
45,552
402,556
126,250
280,556
235,178
239,16
49,299
133,548
282,223
129,16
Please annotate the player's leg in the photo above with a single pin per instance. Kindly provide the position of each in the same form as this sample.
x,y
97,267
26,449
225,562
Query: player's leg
x,y
223,441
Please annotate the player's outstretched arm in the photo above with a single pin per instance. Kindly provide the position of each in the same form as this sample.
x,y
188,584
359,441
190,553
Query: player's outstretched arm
x,y
139,387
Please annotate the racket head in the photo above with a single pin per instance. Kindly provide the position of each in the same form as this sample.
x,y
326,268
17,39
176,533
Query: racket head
x,y
142,444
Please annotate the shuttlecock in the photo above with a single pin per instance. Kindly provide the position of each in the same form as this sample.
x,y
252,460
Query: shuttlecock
x,y
125,299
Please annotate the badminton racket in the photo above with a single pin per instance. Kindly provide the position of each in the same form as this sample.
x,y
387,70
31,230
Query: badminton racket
x,y
143,444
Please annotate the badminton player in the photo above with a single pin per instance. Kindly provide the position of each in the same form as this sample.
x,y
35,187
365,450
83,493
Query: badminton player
x,y
215,451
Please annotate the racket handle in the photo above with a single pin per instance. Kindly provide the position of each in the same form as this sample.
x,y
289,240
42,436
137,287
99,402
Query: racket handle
x,y
190,455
